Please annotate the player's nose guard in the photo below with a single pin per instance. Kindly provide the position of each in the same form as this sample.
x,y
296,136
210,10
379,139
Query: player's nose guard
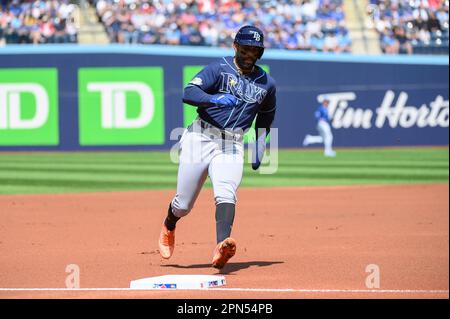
x,y
249,35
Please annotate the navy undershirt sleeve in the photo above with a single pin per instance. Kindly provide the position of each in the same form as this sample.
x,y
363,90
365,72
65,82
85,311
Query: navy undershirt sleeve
x,y
195,96
264,120
265,117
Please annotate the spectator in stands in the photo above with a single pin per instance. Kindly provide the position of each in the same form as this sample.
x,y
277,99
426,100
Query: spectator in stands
x,y
287,24
388,43
195,37
185,35
60,30
71,29
172,35
330,43
113,26
344,40
433,24
317,42
47,30
424,25
402,44
37,22
442,16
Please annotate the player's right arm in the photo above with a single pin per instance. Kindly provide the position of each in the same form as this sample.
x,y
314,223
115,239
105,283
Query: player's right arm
x,y
202,90
195,96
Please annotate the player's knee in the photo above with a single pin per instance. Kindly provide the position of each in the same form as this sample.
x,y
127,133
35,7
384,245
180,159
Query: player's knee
x,y
180,212
226,198
180,209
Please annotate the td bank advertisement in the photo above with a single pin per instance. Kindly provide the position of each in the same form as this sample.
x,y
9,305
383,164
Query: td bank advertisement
x,y
130,101
29,107
121,106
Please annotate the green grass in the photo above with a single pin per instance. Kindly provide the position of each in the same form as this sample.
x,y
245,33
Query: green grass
x,y
28,173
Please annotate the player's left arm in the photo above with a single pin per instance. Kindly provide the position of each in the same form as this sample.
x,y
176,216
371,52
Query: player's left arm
x,y
264,120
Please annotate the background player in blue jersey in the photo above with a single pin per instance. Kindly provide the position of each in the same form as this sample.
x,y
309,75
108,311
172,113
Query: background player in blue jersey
x,y
324,129
229,94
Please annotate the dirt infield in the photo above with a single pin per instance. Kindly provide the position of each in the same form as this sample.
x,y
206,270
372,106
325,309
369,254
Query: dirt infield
x,y
292,243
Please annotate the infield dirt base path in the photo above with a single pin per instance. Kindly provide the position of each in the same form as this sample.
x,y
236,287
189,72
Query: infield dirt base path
x,y
307,239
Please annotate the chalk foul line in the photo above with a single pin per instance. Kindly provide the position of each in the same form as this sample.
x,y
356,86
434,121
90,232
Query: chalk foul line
x,y
399,291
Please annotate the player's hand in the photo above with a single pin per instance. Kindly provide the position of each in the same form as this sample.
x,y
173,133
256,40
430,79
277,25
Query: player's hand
x,y
256,165
224,100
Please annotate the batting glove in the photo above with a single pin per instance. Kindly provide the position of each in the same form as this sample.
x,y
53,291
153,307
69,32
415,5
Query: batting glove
x,y
224,100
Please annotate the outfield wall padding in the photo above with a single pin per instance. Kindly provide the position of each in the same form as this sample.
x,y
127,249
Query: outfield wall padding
x,y
375,101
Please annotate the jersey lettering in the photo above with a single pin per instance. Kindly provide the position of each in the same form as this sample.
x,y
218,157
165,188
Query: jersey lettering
x,y
242,89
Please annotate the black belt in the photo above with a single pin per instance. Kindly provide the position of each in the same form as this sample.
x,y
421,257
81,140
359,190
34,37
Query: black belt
x,y
204,125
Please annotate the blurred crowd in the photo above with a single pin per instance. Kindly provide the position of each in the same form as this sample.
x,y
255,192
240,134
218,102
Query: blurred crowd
x,y
404,26
37,21
411,26
315,25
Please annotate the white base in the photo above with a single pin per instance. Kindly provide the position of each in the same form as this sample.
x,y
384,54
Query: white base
x,y
178,282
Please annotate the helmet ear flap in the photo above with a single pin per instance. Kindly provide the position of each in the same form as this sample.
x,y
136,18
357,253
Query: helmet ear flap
x,y
261,52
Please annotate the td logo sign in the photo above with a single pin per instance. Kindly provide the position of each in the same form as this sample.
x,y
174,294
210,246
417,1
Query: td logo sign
x,y
28,107
121,106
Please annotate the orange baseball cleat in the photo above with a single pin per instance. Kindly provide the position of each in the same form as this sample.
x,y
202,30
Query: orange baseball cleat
x,y
223,252
166,242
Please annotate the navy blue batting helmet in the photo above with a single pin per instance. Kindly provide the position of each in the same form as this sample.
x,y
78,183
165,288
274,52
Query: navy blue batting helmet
x,y
250,35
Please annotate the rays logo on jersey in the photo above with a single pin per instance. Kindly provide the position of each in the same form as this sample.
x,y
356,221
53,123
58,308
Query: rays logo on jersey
x,y
243,89
197,81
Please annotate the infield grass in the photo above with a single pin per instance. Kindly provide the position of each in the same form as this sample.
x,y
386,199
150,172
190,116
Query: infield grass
x,y
34,173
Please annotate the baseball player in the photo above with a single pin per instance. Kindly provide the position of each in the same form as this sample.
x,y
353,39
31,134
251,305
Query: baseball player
x,y
324,129
229,94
